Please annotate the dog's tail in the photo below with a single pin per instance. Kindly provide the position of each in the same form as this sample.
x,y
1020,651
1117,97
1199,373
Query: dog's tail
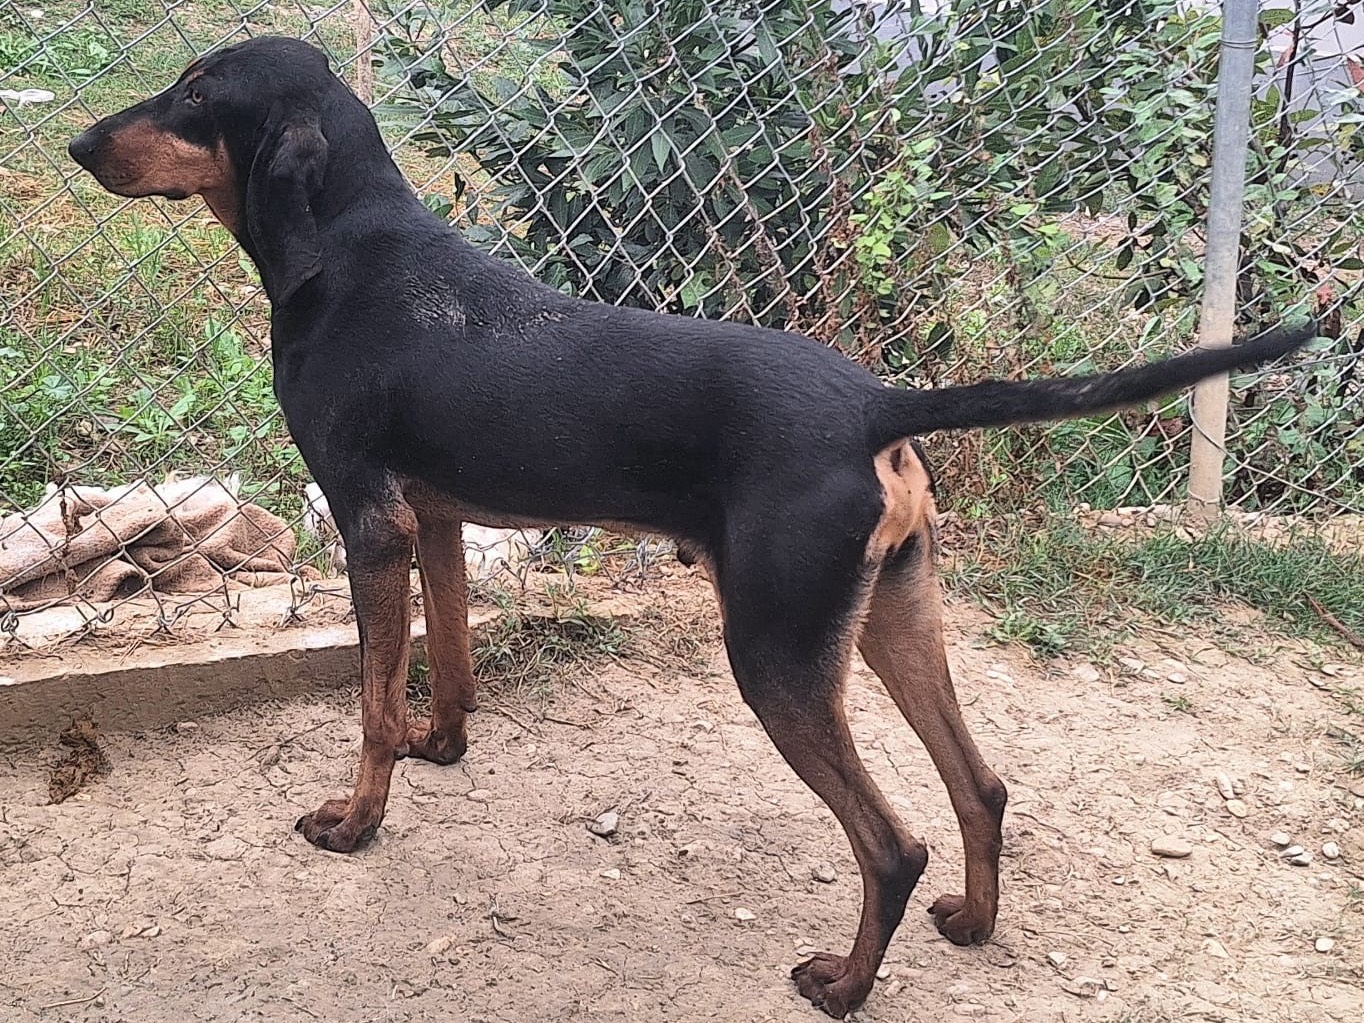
x,y
903,413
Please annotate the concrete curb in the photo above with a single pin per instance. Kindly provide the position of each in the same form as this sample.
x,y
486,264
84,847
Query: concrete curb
x,y
153,686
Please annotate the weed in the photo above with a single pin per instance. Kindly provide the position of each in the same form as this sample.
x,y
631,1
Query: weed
x,y
1180,704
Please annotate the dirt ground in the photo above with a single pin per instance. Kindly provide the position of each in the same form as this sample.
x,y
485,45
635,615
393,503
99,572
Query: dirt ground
x,y
175,889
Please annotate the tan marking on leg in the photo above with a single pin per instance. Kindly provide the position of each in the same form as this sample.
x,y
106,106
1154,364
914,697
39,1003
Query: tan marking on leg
x,y
440,558
907,494
381,592
902,641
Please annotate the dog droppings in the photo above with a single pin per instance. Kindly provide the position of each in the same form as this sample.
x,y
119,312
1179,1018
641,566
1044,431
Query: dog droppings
x,y
85,760
605,825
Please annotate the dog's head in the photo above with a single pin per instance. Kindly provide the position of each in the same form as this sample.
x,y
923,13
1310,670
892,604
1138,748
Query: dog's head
x,y
246,127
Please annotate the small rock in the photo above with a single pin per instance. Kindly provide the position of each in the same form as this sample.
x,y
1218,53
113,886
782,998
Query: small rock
x,y
611,874
1177,677
1086,673
1086,987
1057,959
605,825
439,946
1301,860
1224,785
95,939
1292,850
969,1009
1337,825
882,972
185,727
1281,839
1237,808
1171,846
1215,948
1110,519
824,873
1325,944
1330,850
1132,664
744,914
226,848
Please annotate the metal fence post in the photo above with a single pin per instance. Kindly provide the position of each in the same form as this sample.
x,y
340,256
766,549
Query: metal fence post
x,y
1230,137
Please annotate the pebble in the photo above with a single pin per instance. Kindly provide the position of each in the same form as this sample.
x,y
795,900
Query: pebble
x,y
1057,959
439,946
824,873
1301,860
611,874
1237,808
1330,850
226,848
1110,519
1293,850
1224,785
1177,677
1325,944
1281,839
744,914
1086,673
478,795
605,825
882,972
1171,846
1132,664
95,939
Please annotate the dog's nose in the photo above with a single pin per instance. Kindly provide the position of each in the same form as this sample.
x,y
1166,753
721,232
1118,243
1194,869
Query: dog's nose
x,y
82,147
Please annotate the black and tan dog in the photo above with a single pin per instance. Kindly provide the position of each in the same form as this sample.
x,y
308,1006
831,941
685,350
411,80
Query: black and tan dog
x,y
427,383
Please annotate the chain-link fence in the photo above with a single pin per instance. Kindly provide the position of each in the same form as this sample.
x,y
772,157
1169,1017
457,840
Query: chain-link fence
x,y
944,190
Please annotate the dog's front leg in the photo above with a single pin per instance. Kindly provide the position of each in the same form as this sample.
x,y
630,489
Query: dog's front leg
x,y
379,546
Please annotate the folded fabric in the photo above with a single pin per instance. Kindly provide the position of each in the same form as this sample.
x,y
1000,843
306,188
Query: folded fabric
x,y
181,536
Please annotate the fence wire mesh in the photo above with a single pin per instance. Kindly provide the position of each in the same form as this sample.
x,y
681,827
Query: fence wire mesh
x,y
944,190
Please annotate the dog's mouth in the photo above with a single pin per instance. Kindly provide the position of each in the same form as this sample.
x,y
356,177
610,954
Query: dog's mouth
x,y
131,186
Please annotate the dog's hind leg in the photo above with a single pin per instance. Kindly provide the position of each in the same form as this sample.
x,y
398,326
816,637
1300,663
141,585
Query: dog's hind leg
x,y
789,645
902,642
442,738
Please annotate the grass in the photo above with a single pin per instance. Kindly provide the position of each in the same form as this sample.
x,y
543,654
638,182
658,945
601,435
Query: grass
x,y
530,644
1060,589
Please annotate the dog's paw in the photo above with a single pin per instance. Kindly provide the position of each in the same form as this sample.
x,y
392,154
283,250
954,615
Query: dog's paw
x,y
332,827
824,979
438,747
958,924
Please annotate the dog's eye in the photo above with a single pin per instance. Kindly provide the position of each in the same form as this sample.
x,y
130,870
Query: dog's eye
x,y
194,97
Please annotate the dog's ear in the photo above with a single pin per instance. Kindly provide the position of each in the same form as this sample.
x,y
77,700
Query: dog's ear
x,y
286,175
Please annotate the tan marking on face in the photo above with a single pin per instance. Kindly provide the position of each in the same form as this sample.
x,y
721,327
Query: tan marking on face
x,y
907,495
142,160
